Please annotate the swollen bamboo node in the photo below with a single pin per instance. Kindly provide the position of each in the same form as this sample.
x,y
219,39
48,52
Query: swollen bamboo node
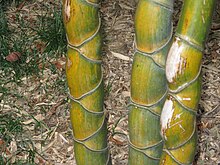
x,y
153,29
183,73
85,81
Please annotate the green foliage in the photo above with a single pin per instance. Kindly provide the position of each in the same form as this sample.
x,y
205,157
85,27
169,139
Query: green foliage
x,y
6,3
4,25
8,126
51,31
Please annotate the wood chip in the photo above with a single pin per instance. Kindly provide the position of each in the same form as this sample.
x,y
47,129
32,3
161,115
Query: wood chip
x,y
121,56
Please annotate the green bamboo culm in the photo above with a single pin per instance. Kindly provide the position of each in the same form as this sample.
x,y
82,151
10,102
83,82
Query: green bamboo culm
x,y
84,78
183,73
153,29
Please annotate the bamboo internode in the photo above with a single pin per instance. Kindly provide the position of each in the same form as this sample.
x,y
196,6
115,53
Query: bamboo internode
x,y
84,77
153,29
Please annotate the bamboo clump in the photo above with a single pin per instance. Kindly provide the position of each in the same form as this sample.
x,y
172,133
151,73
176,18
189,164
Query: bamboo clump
x,y
165,81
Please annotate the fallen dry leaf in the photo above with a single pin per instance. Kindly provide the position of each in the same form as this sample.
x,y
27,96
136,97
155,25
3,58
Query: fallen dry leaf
x,y
59,64
116,141
1,142
12,57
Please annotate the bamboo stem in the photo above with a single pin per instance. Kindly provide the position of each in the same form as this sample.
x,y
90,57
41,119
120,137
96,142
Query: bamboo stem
x,y
183,72
153,29
84,77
